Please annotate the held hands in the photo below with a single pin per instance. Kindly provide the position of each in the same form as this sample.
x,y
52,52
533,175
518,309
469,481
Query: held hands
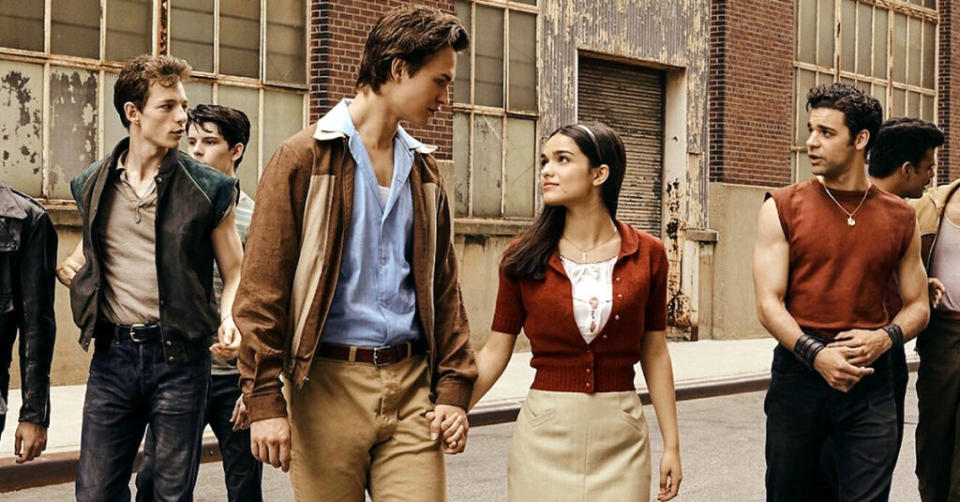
x,y
29,440
239,417
451,422
270,442
229,337
670,474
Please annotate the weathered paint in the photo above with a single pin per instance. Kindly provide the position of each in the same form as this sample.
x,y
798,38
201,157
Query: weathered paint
x,y
673,36
73,122
21,130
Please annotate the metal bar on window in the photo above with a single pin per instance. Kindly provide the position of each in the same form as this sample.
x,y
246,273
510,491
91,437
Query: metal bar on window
x,y
47,22
45,106
216,39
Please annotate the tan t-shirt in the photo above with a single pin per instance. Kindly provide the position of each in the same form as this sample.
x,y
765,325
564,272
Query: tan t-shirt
x,y
126,232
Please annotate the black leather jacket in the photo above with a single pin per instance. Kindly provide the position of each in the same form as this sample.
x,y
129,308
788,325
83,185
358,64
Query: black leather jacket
x,y
192,199
28,258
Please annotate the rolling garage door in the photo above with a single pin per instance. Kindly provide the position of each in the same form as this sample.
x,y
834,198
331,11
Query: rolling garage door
x,y
629,99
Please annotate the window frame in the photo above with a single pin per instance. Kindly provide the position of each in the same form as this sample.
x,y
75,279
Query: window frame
x,y
503,114
160,44
835,73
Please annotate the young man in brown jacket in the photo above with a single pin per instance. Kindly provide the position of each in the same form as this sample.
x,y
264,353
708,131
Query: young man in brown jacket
x,y
349,287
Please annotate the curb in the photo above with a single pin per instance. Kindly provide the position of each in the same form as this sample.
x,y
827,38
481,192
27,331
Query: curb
x,y
55,468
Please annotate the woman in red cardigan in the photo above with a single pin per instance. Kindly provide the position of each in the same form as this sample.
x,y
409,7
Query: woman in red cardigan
x,y
590,293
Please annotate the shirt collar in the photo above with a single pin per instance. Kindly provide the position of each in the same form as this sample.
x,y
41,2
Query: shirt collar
x,y
337,123
9,207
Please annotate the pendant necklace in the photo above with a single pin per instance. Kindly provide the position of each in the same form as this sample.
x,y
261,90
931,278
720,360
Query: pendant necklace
x,y
583,252
850,221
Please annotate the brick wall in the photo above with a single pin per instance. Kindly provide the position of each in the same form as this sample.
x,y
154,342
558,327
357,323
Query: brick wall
x,y
949,90
750,91
339,30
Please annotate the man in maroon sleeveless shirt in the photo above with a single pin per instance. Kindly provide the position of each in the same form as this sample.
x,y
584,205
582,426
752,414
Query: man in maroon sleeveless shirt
x,y
826,249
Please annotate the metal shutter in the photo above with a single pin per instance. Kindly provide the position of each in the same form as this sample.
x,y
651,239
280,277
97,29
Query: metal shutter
x,y
630,100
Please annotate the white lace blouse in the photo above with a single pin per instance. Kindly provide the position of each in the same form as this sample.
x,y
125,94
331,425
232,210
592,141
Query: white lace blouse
x,y
592,294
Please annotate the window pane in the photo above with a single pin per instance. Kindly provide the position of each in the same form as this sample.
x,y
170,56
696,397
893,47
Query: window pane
x,y
915,56
927,113
198,92
864,38
913,104
880,93
489,59
880,30
487,156
806,80
113,130
806,31
247,100
899,103
191,32
461,162
899,48
461,87
21,126
21,25
75,28
73,121
827,39
930,4
521,167
848,25
240,38
528,2
129,28
523,61
286,45
282,118
929,54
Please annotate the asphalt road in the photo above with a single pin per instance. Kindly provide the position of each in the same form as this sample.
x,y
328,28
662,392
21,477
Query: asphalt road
x,y
721,445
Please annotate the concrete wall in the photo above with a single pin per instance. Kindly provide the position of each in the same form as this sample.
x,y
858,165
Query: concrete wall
x,y
733,213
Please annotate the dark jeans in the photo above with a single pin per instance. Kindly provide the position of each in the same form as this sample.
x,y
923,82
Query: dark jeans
x,y
131,385
938,393
826,487
803,412
241,470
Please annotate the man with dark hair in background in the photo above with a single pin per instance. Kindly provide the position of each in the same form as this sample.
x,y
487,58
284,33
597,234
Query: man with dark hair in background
x,y
350,286
826,250
141,286
218,136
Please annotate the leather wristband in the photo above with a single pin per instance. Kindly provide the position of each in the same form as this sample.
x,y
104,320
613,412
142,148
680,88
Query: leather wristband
x,y
895,333
807,348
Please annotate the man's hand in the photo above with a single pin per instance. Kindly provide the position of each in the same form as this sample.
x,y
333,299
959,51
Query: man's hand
x,y
239,418
67,270
833,366
867,344
270,442
937,289
29,441
451,421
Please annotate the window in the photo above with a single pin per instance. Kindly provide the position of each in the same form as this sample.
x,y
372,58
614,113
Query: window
x,y
58,69
495,110
886,49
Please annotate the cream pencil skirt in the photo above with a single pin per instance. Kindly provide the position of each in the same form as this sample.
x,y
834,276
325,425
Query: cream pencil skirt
x,y
573,447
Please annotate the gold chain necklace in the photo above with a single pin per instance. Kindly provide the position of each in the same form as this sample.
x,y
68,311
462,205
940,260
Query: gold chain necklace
x,y
583,253
850,220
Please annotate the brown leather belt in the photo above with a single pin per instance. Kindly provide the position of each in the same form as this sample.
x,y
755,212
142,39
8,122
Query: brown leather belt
x,y
377,356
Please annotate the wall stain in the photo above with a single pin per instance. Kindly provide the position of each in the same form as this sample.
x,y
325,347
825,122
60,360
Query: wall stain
x,y
73,121
21,128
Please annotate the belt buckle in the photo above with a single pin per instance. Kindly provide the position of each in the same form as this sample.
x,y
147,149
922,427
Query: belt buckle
x,y
376,360
133,333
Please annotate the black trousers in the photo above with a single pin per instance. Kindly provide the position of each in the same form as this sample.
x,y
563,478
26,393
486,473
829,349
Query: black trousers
x,y
803,412
938,393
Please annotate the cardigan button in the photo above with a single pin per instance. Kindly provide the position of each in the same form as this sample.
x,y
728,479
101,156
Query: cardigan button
x,y
588,384
604,337
618,279
617,317
588,370
619,296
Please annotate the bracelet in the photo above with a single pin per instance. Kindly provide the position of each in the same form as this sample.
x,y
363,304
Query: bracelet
x,y
807,348
895,333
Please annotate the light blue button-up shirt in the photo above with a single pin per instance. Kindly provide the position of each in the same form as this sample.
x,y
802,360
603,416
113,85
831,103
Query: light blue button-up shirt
x,y
375,303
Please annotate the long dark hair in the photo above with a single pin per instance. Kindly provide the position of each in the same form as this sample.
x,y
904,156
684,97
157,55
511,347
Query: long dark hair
x,y
527,257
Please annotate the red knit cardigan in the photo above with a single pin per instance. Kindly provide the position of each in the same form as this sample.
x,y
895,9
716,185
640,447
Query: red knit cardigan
x,y
544,309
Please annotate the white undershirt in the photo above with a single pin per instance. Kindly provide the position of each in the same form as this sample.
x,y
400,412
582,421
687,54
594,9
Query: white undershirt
x,y
384,194
592,294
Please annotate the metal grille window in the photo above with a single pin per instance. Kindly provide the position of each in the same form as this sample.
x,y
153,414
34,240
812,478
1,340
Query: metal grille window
x,y
59,60
886,48
495,110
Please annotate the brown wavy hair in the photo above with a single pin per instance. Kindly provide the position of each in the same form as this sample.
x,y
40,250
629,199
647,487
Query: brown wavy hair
x,y
528,255
139,73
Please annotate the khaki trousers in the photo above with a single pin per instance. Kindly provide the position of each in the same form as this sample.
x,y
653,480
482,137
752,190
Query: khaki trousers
x,y
577,447
356,427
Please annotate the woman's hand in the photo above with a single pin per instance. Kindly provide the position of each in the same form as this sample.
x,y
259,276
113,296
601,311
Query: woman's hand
x,y
670,474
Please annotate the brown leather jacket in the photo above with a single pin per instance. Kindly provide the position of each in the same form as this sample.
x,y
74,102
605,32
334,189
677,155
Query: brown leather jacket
x,y
292,261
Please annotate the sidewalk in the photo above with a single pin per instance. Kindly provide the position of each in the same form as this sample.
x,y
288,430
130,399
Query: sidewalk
x,y
696,365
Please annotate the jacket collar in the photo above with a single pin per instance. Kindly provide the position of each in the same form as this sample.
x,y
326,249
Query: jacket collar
x,y
338,124
9,207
